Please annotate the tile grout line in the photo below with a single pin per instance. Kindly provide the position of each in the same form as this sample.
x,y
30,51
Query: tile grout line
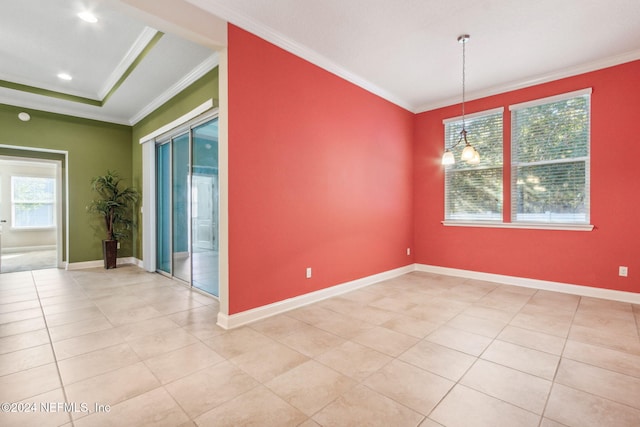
x,y
199,340
479,357
53,350
313,358
457,382
555,374
394,358
589,364
84,292
161,385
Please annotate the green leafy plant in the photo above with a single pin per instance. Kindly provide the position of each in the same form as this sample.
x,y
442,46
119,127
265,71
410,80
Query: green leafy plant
x,y
114,204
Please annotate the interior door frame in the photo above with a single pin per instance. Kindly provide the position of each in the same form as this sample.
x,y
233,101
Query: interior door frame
x,y
62,193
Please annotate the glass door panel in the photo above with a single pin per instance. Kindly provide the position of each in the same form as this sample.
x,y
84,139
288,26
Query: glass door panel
x,y
187,207
204,207
181,229
163,208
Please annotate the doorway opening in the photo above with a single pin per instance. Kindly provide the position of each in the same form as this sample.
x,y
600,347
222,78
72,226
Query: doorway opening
x,y
30,213
187,204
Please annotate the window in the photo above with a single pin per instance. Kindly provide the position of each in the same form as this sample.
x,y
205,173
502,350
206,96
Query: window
x,y
550,160
474,192
32,202
549,168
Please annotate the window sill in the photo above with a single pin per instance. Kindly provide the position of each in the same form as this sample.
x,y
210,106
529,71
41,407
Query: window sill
x,y
521,225
31,228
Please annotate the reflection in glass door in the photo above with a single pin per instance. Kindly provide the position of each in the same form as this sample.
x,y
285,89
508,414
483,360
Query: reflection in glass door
x,y
163,212
180,176
204,207
187,206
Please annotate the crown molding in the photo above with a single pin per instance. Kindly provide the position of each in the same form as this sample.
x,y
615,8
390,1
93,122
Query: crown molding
x,y
23,85
269,34
143,44
50,93
132,54
46,105
203,68
545,78
237,18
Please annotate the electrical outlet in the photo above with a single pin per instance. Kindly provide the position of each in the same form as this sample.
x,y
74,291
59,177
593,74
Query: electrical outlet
x,y
308,272
623,271
118,247
408,251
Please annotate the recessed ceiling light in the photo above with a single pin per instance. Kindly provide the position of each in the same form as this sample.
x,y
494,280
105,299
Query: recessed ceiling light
x,y
64,76
88,17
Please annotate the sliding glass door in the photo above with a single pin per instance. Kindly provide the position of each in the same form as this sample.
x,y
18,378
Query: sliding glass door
x,y
163,211
187,205
181,235
204,207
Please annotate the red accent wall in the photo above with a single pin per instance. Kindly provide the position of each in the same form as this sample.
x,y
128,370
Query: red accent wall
x,y
582,258
320,176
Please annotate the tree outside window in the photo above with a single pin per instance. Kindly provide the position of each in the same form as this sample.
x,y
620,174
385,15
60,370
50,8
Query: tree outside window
x,y
550,162
474,192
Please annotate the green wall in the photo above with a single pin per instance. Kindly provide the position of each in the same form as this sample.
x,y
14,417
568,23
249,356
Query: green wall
x,y
93,148
202,90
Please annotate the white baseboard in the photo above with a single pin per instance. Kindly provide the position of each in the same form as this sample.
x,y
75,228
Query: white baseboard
x,y
100,263
259,313
19,249
239,319
585,291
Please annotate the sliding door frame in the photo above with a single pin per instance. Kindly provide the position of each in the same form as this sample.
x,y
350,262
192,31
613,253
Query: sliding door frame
x,y
150,187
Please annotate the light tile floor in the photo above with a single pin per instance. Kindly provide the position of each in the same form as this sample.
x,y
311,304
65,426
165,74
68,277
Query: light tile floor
x,y
420,349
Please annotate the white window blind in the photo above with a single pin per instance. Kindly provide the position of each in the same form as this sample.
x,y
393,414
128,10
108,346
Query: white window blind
x,y
474,192
550,160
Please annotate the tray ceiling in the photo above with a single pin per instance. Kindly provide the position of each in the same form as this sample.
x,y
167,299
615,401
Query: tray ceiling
x,y
405,51
121,68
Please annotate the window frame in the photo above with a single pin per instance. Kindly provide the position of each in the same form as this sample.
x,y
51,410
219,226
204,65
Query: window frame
x,y
586,159
509,186
470,117
51,202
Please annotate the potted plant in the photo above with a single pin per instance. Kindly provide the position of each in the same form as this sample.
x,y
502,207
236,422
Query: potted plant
x,y
115,204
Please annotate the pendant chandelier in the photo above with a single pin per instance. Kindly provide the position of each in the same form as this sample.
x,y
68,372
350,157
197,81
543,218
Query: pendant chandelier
x,y
469,154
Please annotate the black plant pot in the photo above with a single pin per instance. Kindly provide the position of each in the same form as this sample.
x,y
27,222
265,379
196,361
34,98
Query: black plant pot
x,y
110,253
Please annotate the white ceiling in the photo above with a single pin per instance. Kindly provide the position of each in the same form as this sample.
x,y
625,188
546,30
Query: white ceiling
x,y
41,38
407,50
403,50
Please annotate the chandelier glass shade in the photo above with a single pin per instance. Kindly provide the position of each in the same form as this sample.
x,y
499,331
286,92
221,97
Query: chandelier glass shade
x,y
469,153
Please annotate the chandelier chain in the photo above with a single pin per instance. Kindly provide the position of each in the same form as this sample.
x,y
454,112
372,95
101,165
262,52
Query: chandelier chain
x,y
464,45
469,153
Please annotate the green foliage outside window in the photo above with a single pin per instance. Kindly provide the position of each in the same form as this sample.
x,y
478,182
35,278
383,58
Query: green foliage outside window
x,y
550,162
474,192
